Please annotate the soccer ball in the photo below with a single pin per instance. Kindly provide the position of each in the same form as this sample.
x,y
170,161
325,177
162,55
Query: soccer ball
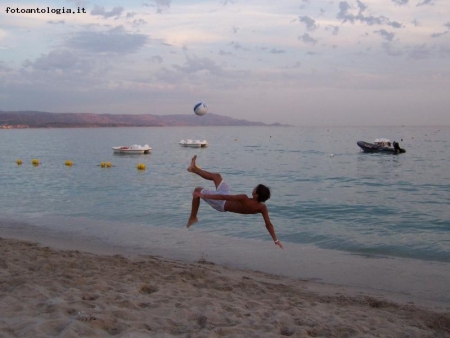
x,y
200,109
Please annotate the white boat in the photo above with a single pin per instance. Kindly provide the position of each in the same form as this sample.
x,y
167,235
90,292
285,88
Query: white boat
x,y
193,143
134,149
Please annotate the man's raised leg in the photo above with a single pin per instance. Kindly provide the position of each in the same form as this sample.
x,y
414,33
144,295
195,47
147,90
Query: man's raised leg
x,y
215,177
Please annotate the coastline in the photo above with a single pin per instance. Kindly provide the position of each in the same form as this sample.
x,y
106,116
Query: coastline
x,y
49,292
404,280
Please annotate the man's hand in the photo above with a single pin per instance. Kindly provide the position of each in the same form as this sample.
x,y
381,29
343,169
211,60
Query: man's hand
x,y
277,242
197,194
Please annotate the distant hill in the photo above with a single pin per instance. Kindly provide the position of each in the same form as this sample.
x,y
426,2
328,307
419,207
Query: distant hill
x,y
36,119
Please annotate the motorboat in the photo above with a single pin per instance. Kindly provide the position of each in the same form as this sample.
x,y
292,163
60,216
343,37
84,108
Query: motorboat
x,y
382,145
134,149
193,143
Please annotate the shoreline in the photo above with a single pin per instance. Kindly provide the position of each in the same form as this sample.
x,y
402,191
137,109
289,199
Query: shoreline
x,y
422,283
48,292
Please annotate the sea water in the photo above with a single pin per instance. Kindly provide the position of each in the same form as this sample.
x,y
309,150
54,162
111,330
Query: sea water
x,y
326,193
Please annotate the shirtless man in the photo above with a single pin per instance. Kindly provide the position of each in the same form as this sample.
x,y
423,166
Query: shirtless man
x,y
221,200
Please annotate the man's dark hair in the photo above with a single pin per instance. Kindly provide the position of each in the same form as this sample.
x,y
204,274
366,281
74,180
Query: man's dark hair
x,y
263,192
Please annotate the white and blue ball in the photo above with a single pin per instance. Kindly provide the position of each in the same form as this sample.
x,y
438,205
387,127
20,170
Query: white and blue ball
x,y
200,109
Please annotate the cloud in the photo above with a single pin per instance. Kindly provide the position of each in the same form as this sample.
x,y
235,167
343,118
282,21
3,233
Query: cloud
x,y
79,3
223,53
438,35
400,2
237,45
310,23
296,65
58,59
119,58
276,51
160,5
389,49
306,38
444,52
334,29
196,64
60,70
385,34
361,6
346,15
165,3
100,11
425,2
395,24
305,3
157,59
4,68
138,23
116,40
419,52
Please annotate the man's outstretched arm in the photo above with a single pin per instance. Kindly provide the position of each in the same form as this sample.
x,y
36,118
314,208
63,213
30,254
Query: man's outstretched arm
x,y
269,226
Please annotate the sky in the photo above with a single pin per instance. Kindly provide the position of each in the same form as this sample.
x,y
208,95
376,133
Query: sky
x,y
299,62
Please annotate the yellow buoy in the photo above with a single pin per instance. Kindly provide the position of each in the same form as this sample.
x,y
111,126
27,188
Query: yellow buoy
x,y
35,162
108,164
19,162
69,163
141,166
102,164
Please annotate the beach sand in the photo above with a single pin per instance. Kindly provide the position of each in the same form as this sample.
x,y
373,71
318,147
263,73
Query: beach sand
x,y
48,292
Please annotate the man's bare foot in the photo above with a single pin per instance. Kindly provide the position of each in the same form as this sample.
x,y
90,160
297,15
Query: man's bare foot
x,y
191,221
192,165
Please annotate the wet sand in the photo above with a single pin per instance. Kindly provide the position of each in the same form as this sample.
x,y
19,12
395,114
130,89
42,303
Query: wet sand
x,y
47,292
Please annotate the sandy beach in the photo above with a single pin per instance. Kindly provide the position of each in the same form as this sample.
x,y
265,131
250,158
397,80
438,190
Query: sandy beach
x,y
48,292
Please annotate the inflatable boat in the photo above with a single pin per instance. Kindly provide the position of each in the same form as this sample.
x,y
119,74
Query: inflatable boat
x,y
381,146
